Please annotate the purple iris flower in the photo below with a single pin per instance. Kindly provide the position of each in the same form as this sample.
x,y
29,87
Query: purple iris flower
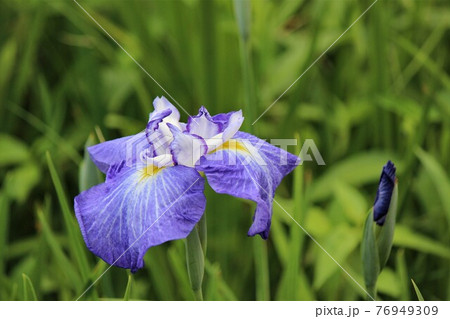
x,y
153,190
384,193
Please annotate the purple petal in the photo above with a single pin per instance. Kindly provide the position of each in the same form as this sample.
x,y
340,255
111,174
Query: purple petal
x,y
233,125
161,104
222,118
137,208
384,193
252,169
127,148
230,127
158,133
230,122
186,148
203,124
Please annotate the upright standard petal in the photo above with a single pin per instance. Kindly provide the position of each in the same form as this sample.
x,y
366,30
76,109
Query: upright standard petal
x,y
203,125
186,148
158,133
233,125
230,123
250,168
137,208
161,103
129,148
384,193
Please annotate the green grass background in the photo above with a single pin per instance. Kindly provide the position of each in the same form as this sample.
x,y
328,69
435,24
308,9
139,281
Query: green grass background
x,y
381,92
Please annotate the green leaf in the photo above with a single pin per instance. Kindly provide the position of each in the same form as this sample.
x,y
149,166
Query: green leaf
x,y
20,181
89,174
7,61
58,252
75,240
195,262
438,176
28,290
352,202
222,290
386,234
13,150
370,256
355,170
279,239
161,280
406,237
340,243
418,293
127,293
4,229
242,10
402,273
384,283
177,262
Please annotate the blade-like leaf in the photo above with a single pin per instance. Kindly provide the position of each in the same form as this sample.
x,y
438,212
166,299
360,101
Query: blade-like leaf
x,y
75,239
17,151
28,290
406,237
89,174
370,257
58,253
418,293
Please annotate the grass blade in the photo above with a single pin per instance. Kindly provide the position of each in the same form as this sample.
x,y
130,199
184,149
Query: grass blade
x,y
89,175
58,252
28,290
127,293
4,228
75,240
418,293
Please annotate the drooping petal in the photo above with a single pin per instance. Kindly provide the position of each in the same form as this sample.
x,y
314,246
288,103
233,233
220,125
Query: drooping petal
x,y
128,148
186,148
250,168
202,124
384,193
137,208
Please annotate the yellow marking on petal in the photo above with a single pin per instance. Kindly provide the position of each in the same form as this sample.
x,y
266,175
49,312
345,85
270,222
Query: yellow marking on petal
x,y
149,171
231,145
202,174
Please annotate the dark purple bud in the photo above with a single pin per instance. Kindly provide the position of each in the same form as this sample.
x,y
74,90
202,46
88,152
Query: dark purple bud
x,y
384,193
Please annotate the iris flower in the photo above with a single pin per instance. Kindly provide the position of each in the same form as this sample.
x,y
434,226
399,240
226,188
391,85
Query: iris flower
x,y
384,193
154,184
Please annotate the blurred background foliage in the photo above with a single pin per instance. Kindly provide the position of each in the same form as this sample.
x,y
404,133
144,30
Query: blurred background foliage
x,y
381,92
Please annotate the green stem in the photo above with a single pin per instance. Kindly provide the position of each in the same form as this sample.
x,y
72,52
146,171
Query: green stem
x,y
243,12
296,238
243,15
261,270
195,260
